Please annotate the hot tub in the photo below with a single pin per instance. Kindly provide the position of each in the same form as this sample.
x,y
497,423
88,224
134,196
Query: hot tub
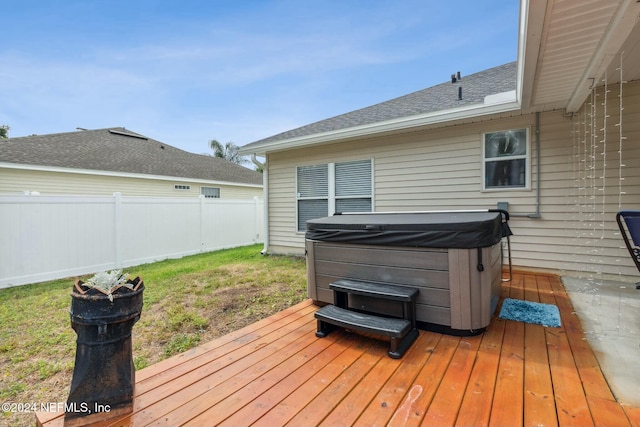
x,y
454,259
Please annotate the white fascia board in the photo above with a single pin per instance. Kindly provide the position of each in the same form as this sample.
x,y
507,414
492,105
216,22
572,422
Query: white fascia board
x,y
530,28
40,168
390,126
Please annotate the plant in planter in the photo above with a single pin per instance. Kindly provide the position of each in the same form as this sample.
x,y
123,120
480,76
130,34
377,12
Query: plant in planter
x,y
107,282
103,312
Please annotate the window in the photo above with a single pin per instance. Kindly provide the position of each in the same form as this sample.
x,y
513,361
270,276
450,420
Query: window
x,y
325,189
313,193
181,187
210,192
506,160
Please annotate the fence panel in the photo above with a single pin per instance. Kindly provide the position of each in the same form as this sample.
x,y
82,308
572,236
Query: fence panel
x,y
155,228
246,218
51,237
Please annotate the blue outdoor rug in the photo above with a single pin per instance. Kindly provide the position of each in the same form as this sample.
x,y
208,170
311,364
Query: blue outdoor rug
x,y
530,312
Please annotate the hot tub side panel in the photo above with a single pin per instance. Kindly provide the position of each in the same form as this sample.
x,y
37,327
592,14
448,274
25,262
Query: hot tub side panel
x,y
427,269
309,252
474,294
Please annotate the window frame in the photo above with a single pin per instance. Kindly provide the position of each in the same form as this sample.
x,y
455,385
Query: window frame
x,y
331,196
324,195
526,157
213,188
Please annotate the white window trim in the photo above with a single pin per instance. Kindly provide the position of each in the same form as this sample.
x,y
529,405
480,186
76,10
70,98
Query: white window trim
x,y
527,158
331,195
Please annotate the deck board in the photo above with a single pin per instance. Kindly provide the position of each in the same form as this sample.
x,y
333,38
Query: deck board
x,y
391,395
508,400
277,372
478,399
358,399
445,405
315,411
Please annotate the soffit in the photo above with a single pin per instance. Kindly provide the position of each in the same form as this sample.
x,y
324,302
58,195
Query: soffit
x,y
573,45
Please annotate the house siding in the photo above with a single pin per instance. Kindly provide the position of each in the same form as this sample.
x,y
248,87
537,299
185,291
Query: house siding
x,y
17,181
442,169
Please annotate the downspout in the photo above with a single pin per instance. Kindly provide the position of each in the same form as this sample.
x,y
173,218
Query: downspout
x,y
537,212
265,195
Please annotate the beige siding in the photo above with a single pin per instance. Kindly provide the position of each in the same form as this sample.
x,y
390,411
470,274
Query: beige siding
x,y
17,181
442,169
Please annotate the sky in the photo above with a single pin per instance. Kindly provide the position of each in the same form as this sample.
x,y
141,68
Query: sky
x,y
186,72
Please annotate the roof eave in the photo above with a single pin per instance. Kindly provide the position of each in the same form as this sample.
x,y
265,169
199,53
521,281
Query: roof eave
x,y
398,125
530,29
41,168
621,26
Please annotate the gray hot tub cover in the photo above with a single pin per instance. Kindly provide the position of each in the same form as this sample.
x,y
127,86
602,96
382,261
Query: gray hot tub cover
x,y
462,230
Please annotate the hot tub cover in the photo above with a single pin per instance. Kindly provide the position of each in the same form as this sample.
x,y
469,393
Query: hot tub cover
x,y
462,230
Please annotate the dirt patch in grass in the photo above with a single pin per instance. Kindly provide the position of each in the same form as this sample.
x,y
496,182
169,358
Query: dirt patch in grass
x,y
220,301
186,302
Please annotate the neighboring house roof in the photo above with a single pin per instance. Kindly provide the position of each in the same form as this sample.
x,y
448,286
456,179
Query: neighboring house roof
x,y
471,90
121,151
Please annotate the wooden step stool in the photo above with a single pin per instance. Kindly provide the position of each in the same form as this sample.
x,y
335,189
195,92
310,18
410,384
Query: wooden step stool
x,y
402,332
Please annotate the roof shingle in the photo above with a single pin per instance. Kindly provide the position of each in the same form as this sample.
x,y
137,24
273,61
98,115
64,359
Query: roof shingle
x,y
120,150
441,97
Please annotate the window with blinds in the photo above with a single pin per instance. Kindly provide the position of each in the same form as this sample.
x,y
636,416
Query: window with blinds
x,y
353,186
325,189
313,193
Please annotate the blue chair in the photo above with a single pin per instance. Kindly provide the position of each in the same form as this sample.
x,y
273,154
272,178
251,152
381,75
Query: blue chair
x,y
629,223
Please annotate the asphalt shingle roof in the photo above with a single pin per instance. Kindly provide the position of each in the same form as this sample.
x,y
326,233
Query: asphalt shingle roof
x,y
120,150
444,96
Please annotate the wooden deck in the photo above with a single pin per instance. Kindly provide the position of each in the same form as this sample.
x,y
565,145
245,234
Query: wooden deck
x,y
276,372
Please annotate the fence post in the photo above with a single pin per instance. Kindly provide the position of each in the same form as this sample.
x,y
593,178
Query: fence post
x,y
256,218
117,227
202,213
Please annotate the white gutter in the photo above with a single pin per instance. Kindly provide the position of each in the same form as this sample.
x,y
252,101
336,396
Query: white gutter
x,y
395,125
531,27
39,168
265,195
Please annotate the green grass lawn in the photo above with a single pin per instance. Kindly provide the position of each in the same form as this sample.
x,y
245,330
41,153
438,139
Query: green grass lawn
x,y
186,301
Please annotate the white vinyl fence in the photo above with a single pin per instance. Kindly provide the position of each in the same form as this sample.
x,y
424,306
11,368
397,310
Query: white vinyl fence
x,y
51,237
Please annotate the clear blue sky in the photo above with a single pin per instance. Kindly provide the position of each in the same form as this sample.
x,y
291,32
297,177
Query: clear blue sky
x,y
185,72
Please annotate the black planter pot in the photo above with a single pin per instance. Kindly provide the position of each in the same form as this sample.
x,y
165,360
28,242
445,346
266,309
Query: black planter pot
x,y
104,374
